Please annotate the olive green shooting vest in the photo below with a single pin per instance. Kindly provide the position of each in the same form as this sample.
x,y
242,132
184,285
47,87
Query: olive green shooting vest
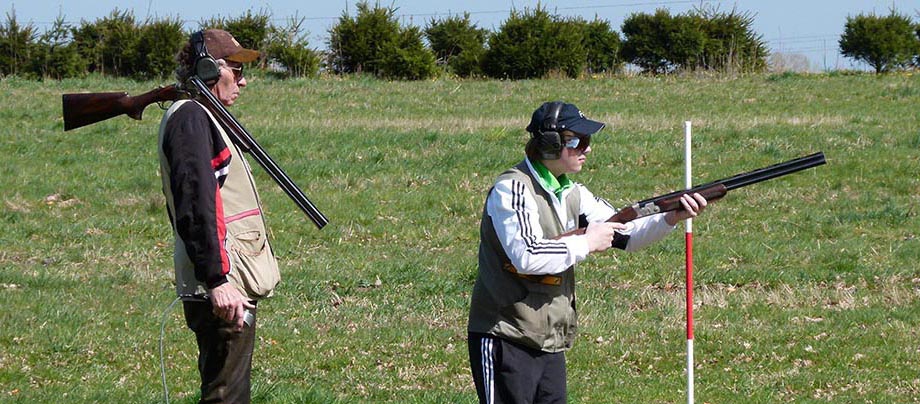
x,y
537,311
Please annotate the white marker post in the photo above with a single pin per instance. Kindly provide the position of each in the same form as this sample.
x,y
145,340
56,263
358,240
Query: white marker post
x,y
688,238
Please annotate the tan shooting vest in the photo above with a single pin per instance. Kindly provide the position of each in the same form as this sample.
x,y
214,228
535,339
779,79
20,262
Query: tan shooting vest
x,y
253,269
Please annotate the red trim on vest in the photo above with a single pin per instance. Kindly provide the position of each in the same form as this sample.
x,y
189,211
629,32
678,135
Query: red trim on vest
x,y
238,216
221,232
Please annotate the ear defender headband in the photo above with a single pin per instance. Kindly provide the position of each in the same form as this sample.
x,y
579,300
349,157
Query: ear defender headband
x,y
206,68
548,140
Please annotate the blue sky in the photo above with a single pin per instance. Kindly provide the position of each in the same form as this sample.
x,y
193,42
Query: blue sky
x,y
805,27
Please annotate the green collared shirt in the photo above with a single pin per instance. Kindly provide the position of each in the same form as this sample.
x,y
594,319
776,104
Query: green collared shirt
x,y
546,178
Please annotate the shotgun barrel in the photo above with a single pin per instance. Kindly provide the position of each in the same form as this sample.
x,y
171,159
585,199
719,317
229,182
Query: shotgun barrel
x,y
241,137
710,190
742,180
716,189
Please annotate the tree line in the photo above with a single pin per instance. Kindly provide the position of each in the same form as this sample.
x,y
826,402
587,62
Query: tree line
x,y
531,43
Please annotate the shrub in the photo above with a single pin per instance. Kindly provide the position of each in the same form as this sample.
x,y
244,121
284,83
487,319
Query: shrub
x,y
917,59
250,30
661,43
534,43
602,47
289,48
157,45
374,42
458,44
730,42
407,57
356,45
571,54
17,43
885,43
687,42
702,39
109,44
56,55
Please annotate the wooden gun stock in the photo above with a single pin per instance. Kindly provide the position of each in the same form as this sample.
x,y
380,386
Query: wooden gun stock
x,y
711,191
89,108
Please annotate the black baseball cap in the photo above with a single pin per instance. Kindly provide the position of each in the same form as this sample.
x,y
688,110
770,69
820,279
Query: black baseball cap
x,y
570,118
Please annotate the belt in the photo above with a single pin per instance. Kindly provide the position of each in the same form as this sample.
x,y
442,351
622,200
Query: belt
x,y
552,280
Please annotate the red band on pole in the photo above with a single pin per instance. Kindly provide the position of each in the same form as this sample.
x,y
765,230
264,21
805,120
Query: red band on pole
x,y
689,270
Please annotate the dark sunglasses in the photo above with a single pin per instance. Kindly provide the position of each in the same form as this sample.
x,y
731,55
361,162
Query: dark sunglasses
x,y
237,72
579,143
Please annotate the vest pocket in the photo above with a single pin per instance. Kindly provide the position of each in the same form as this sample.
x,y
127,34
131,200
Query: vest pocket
x,y
254,269
250,242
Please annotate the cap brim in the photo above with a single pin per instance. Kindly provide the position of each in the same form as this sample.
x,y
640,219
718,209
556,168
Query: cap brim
x,y
585,127
244,56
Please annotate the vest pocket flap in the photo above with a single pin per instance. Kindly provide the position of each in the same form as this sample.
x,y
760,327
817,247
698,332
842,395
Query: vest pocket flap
x,y
250,243
247,234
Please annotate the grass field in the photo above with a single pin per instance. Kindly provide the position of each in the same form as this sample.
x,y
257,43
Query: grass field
x,y
808,287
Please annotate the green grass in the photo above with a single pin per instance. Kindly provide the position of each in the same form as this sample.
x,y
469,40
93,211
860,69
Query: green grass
x,y
808,288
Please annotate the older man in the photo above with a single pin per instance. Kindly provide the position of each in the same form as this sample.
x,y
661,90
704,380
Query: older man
x,y
223,261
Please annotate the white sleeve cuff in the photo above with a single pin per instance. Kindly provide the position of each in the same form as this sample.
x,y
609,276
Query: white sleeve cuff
x,y
578,245
647,230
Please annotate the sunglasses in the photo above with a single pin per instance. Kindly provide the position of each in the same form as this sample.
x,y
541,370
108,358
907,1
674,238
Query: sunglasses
x,y
578,143
237,72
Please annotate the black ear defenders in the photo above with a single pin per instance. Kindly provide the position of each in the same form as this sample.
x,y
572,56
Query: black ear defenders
x,y
548,140
206,68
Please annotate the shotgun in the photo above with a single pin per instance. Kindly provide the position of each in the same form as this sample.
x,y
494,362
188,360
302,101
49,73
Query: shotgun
x,y
711,190
85,109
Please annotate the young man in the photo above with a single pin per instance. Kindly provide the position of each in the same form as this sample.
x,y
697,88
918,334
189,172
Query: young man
x,y
223,261
522,312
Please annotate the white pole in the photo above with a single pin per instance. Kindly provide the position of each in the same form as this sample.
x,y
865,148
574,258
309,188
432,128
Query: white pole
x,y
688,237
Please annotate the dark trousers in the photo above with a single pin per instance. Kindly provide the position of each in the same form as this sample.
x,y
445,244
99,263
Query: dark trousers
x,y
224,355
505,372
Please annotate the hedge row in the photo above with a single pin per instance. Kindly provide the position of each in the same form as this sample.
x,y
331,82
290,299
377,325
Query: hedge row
x,y
119,45
532,43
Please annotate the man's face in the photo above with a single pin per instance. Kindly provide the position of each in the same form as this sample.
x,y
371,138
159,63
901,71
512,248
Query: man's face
x,y
227,89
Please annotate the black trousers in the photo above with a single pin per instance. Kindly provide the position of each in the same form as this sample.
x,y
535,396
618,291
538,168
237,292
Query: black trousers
x,y
224,355
505,372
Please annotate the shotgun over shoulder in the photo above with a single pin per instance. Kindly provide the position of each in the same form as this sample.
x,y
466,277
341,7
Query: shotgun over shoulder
x,y
83,109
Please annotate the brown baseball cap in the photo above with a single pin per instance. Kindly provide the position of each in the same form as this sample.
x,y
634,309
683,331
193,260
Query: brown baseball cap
x,y
222,45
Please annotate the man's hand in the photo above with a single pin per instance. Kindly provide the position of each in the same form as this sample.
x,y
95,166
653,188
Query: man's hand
x,y
692,207
230,304
600,235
